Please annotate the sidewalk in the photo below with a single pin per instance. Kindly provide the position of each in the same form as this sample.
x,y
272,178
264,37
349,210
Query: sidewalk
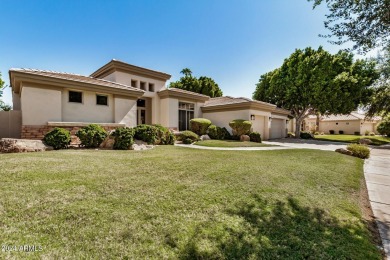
x,y
377,174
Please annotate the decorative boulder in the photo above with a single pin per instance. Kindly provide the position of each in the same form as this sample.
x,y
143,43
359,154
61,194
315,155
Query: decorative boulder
x,y
205,137
245,138
343,151
108,143
365,141
9,145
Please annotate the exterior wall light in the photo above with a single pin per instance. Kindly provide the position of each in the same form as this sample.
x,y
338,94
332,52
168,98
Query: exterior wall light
x,y
253,117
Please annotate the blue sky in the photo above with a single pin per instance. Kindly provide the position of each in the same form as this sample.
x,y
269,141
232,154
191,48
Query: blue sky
x,y
231,41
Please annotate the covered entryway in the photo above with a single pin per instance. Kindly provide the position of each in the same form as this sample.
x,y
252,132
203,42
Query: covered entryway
x,y
278,128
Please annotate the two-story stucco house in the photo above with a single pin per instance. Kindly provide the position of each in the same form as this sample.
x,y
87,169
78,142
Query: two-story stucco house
x,y
119,94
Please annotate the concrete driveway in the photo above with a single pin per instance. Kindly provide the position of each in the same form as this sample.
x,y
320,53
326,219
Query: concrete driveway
x,y
307,144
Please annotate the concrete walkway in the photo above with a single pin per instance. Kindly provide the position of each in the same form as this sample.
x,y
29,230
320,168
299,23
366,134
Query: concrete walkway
x,y
377,174
264,148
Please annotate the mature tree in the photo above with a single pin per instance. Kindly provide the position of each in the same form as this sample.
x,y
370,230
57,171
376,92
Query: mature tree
x,y
364,22
315,81
380,102
3,106
202,85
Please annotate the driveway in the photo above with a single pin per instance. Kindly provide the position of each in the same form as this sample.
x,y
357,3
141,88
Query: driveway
x,y
307,144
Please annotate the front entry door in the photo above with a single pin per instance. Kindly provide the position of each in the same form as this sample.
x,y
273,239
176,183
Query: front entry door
x,y
141,116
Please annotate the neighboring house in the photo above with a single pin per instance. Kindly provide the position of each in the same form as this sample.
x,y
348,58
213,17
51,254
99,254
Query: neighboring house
x,y
350,124
119,94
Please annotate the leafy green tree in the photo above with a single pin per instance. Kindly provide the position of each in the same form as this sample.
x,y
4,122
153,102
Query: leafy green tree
x,y
202,85
3,106
315,81
380,102
364,22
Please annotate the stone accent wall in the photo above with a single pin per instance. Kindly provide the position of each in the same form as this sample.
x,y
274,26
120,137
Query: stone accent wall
x,y
37,132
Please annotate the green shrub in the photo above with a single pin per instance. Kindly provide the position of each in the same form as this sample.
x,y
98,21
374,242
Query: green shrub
x,y
316,133
240,127
331,132
255,137
188,141
154,134
58,138
290,134
218,133
91,136
199,125
124,138
357,133
366,132
359,150
341,132
372,134
188,135
384,127
305,135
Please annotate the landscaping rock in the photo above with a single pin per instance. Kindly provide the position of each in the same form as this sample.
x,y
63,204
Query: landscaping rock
x,y
343,151
108,143
141,145
245,138
365,141
10,145
205,137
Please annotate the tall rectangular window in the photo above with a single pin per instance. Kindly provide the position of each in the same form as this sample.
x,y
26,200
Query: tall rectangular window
x,y
75,97
151,87
186,113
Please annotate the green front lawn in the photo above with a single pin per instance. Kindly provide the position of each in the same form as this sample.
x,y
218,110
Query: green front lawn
x,y
377,140
175,202
230,143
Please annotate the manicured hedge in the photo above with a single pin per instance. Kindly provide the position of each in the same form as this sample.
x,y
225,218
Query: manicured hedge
x,y
255,137
218,133
58,138
186,136
240,126
359,150
91,136
199,125
154,134
124,138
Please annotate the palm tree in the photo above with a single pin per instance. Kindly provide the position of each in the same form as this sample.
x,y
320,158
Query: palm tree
x,y
187,72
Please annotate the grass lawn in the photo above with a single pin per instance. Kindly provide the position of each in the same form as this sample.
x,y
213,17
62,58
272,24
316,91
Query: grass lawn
x,y
230,143
175,202
376,140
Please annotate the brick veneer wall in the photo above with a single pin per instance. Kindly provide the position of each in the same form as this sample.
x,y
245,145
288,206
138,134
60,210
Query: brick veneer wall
x,y
37,132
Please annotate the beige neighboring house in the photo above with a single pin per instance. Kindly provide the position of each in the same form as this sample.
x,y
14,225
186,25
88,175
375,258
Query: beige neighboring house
x,y
119,94
353,123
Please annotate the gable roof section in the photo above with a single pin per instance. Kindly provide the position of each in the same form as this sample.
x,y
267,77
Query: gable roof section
x,y
180,93
116,65
61,79
231,103
353,116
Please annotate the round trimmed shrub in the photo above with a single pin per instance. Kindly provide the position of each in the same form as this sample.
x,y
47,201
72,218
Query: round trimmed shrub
x,y
91,136
240,126
384,128
189,135
188,141
58,138
305,135
124,138
199,125
154,134
359,150
255,137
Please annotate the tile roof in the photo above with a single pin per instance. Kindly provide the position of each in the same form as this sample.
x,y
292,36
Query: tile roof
x,y
178,90
231,100
76,78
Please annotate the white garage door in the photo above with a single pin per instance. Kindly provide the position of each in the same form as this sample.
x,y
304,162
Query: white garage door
x,y
278,128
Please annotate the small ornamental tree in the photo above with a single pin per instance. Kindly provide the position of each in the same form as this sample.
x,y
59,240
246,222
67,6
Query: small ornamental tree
x,y
384,127
240,126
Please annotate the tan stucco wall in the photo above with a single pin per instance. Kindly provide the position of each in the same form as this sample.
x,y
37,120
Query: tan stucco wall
x,y
169,110
223,118
349,127
259,125
40,105
125,111
16,101
88,110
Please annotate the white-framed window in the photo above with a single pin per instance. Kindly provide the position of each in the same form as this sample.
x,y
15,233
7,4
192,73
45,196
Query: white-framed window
x,y
186,113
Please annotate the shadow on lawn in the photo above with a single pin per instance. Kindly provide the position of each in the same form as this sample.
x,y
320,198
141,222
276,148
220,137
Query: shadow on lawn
x,y
280,230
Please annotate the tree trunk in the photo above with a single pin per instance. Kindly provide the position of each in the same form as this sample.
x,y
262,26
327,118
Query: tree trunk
x,y
298,127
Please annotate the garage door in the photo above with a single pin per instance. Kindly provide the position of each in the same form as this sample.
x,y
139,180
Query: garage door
x,y
278,128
